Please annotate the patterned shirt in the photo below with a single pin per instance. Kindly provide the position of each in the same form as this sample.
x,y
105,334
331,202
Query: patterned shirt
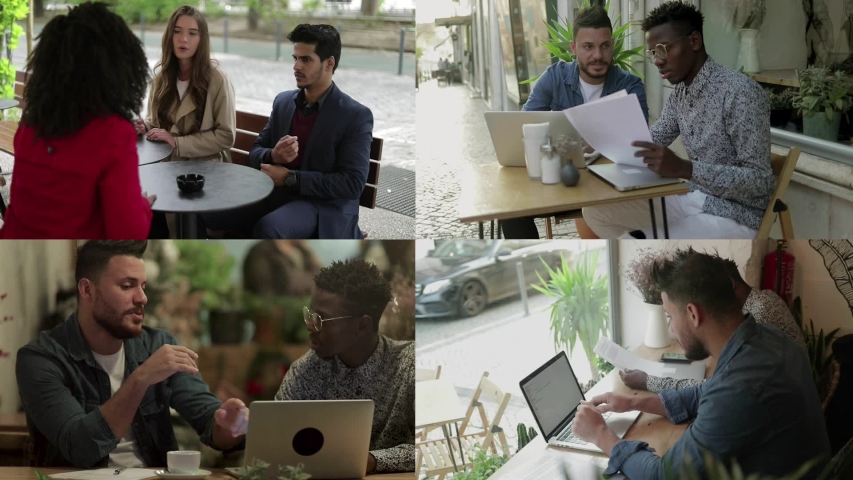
x,y
387,378
724,119
767,308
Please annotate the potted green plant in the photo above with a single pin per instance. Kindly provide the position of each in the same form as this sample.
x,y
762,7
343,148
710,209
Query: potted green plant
x,y
781,106
822,97
825,370
561,35
581,309
483,465
639,275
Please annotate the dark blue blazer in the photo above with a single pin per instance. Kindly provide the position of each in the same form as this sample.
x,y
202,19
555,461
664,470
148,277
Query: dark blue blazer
x,y
335,162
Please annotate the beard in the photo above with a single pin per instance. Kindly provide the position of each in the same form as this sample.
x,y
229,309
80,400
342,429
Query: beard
x,y
585,69
111,321
694,350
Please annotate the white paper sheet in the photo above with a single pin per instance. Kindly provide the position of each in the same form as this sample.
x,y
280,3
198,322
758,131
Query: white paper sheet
x,y
611,124
625,360
128,474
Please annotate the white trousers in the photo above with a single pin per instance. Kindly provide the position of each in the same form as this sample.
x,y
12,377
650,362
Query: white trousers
x,y
684,217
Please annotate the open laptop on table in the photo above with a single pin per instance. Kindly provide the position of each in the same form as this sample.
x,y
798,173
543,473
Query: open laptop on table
x,y
331,438
505,129
553,394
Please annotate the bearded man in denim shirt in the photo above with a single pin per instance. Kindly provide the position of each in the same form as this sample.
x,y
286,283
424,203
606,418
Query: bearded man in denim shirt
x,y
97,388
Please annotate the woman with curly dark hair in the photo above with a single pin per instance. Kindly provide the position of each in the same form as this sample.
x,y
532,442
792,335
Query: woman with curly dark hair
x,y
191,102
76,163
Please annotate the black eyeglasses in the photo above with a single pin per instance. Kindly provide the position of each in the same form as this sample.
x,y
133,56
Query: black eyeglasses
x,y
659,51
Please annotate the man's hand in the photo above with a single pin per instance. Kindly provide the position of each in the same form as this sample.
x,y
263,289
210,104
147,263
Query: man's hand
x,y
663,161
160,135
588,424
612,402
233,416
276,172
166,361
635,379
285,151
371,463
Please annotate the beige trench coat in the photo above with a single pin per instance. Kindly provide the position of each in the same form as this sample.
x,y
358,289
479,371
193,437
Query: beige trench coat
x,y
218,126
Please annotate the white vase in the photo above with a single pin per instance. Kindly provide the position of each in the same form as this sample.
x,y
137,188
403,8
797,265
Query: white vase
x,y
748,54
657,329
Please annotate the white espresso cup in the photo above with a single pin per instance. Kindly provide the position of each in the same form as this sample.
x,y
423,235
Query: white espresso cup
x,y
185,462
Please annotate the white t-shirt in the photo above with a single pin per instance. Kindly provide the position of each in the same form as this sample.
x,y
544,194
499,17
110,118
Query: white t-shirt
x,y
126,453
590,92
182,88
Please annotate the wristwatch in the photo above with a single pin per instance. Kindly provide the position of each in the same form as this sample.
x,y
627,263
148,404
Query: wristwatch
x,y
292,179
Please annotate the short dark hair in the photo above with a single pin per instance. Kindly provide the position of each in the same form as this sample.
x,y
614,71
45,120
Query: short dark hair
x,y
700,278
94,255
731,267
325,38
360,283
87,64
592,17
685,17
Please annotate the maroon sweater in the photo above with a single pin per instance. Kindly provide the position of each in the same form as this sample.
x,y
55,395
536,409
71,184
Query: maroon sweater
x,y
301,129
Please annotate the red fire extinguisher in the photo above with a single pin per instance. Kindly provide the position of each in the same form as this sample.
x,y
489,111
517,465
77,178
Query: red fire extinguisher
x,y
779,272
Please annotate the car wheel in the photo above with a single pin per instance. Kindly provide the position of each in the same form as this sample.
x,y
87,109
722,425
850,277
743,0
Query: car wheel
x,y
472,299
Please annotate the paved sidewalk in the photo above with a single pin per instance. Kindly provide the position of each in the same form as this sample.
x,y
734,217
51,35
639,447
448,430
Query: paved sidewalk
x,y
452,134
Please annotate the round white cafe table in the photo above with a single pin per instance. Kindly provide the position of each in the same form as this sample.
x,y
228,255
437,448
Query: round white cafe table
x,y
226,186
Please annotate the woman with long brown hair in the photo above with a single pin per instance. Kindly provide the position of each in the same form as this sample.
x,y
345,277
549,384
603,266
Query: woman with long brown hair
x,y
191,102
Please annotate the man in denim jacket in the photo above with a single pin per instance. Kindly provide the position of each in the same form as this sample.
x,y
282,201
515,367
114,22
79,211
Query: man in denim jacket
x,y
590,77
97,388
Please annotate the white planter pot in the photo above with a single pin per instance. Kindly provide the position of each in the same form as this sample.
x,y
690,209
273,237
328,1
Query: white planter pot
x,y
748,54
657,329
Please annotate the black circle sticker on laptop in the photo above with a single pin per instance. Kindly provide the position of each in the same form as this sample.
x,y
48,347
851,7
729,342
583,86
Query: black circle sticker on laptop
x,y
307,442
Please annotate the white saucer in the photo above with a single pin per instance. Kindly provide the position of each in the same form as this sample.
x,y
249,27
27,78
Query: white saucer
x,y
182,476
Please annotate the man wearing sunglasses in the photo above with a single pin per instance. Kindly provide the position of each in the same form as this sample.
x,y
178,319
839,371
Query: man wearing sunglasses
x,y
568,84
349,359
724,119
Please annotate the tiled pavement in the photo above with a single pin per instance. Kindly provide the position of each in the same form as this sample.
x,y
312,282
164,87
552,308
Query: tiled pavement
x,y
451,133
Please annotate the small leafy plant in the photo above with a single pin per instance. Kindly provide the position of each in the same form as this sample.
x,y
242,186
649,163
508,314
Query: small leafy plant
x,y
821,90
820,356
780,100
255,471
483,465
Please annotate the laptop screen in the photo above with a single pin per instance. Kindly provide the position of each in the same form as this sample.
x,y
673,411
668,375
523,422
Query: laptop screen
x,y
553,393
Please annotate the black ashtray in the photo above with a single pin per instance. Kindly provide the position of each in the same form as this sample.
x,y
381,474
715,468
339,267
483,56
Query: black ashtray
x,y
191,182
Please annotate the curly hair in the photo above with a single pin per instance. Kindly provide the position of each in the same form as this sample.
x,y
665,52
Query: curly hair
x,y
87,64
703,279
358,282
325,38
94,255
165,86
685,17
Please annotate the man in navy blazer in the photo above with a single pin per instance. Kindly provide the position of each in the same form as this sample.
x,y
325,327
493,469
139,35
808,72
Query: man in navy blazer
x,y
315,147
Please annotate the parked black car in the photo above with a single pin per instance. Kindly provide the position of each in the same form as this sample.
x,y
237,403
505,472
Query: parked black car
x,y
461,277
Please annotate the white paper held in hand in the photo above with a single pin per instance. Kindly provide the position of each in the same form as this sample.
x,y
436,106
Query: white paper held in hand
x,y
611,124
625,360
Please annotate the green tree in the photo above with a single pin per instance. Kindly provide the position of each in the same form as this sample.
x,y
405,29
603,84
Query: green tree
x,y
10,12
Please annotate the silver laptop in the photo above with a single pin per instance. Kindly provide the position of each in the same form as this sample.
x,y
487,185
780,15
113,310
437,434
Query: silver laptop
x,y
331,438
629,177
505,129
553,394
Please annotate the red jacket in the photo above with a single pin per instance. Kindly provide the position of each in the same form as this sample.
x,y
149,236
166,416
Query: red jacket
x,y
84,186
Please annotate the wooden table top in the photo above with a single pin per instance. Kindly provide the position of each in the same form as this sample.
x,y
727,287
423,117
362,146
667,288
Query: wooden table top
x,y
437,403
28,473
657,431
493,192
13,423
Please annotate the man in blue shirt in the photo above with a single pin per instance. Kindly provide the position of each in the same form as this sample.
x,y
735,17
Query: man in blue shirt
x,y
760,407
591,76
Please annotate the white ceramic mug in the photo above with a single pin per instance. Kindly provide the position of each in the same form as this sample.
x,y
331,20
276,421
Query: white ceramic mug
x,y
185,462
